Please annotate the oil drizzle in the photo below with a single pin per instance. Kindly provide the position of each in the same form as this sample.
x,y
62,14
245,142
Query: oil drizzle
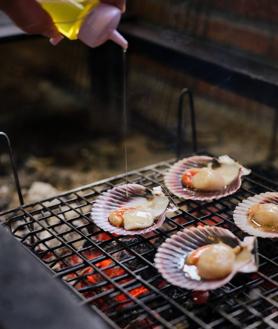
x,y
125,119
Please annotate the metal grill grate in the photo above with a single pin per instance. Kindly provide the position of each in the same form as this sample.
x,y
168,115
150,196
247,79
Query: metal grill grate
x,y
116,276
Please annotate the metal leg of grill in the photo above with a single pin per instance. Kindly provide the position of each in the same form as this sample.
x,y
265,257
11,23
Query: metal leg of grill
x,y
180,130
274,139
14,169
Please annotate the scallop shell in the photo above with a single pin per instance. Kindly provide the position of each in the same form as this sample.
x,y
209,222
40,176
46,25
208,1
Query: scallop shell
x,y
127,195
241,214
173,180
170,257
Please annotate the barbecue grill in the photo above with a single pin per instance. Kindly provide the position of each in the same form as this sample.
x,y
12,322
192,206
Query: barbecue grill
x,y
115,276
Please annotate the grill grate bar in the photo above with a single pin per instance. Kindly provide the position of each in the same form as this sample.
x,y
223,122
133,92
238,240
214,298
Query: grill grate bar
x,y
185,312
116,275
107,278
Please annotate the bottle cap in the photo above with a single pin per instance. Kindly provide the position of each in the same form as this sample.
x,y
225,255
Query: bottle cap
x,y
100,25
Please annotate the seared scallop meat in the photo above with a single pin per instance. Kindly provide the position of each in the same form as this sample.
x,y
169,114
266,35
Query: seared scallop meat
x,y
139,217
264,215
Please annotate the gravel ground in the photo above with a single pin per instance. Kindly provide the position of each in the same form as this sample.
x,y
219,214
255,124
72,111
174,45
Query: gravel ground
x,y
48,120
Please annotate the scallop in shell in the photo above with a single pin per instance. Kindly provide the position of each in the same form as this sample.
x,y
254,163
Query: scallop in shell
x,y
258,215
136,203
210,178
175,258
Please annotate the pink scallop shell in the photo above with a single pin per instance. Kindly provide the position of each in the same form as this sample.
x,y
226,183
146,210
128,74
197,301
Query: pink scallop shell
x,y
241,214
120,196
173,181
170,257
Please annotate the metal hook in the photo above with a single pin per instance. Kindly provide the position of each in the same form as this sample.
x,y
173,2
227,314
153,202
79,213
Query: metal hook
x,y
274,139
183,93
15,174
16,179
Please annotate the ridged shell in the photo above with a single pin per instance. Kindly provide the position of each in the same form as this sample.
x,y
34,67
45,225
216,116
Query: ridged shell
x,y
241,214
173,180
171,255
126,195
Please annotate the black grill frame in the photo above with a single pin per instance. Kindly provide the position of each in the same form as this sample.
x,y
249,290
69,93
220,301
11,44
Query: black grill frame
x,y
248,301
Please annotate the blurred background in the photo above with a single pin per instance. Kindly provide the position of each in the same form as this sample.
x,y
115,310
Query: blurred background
x,y
63,107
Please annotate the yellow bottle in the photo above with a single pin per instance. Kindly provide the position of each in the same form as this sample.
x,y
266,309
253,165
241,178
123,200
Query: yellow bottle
x,y
68,15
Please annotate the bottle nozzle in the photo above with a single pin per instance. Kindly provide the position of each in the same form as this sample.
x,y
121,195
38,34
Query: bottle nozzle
x,y
116,37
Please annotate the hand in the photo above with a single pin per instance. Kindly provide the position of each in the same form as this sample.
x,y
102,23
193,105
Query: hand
x,y
31,18
118,3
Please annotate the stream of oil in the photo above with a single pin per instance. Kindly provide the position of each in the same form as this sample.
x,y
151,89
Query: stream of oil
x,y
125,119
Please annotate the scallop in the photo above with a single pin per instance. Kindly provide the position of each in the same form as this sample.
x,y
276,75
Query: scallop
x,y
216,261
208,180
265,215
138,219
258,215
128,210
116,217
228,172
211,178
205,258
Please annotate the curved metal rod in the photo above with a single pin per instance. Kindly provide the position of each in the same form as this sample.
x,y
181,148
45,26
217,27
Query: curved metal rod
x,y
15,174
272,154
186,92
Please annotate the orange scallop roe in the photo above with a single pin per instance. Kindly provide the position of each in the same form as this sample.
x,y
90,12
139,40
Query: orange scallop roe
x,y
194,256
121,211
116,217
188,175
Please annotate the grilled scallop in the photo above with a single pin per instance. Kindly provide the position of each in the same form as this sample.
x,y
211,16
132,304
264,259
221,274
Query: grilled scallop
x,y
116,217
214,261
208,180
138,219
264,215
205,178
130,209
141,216
258,215
205,258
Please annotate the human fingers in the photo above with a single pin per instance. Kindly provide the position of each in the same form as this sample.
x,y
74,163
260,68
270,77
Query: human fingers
x,y
31,18
118,3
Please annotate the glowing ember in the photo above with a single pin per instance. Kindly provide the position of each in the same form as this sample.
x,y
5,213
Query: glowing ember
x,y
87,276
103,237
90,276
136,292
